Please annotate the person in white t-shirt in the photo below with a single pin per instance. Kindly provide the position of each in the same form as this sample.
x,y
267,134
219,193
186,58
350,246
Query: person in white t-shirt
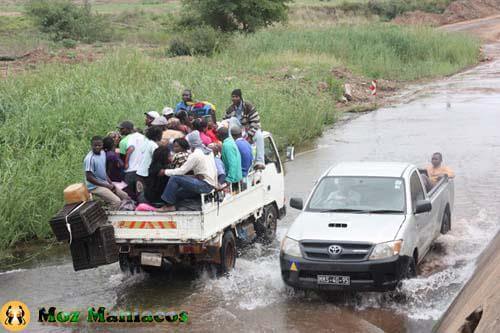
x,y
153,137
133,159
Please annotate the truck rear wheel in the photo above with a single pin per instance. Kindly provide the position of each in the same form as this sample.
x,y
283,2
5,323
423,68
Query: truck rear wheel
x,y
446,222
227,252
265,227
126,265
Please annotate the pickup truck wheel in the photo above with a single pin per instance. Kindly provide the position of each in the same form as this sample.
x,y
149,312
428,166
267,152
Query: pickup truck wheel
x,y
266,225
446,222
227,252
411,269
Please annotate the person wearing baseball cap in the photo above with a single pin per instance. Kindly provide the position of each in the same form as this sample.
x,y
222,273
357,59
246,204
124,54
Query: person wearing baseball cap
x,y
168,112
130,149
126,128
160,121
150,116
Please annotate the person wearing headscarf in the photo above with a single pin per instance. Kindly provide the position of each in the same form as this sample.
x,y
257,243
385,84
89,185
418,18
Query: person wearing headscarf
x,y
181,186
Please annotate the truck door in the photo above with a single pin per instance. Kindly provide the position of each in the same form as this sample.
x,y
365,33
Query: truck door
x,y
423,220
273,173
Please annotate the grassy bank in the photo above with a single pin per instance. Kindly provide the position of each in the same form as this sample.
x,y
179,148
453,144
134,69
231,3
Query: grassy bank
x,y
47,117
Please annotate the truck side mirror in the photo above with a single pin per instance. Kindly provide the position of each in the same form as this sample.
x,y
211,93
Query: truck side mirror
x,y
296,203
423,206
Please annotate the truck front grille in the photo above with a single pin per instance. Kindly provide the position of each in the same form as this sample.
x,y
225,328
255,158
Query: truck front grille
x,y
318,250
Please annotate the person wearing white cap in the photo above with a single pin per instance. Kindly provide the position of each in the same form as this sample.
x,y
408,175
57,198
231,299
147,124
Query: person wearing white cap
x,y
168,112
160,121
150,116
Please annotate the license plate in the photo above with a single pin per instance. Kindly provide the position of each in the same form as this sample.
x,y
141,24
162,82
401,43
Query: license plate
x,y
151,259
334,279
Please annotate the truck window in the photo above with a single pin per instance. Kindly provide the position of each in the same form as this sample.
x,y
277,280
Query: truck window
x,y
416,189
271,154
358,193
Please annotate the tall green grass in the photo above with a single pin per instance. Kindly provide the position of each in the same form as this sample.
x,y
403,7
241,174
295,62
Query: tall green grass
x,y
47,117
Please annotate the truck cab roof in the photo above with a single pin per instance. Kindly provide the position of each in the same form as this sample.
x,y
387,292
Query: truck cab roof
x,y
368,169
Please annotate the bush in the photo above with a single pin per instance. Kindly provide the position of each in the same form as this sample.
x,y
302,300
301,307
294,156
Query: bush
x,y
63,19
69,43
243,15
389,9
200,41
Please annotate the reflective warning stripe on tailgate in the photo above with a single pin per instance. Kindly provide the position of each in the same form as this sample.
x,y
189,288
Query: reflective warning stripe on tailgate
x,y
147,224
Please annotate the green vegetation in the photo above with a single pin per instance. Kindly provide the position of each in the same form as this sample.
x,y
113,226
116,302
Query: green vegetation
x,y
47,117
62,19
234,15
389,9
202,40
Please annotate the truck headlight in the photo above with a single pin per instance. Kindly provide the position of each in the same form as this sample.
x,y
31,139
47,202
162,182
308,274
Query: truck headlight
x,y
385,250
291,247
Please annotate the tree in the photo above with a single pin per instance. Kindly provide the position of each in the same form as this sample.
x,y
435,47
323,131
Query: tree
x,y
242,15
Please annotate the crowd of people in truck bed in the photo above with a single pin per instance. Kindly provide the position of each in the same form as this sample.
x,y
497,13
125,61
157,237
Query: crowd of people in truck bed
x,y
181,154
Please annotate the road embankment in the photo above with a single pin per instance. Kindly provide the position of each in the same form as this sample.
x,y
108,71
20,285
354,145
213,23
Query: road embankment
x,y
477,306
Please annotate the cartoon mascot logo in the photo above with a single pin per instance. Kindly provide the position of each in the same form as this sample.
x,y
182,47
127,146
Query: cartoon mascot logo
x,y
15,316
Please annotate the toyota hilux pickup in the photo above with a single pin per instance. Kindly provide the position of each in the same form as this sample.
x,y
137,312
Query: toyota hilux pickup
x,y
365,227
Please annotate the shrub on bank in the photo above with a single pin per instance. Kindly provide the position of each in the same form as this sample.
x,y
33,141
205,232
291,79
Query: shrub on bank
x,y
242,15
62,19
389,9
201,40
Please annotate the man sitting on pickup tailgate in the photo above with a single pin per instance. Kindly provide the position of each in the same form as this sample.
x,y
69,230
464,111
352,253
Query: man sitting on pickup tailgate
x,y
436,171
180,186
96,178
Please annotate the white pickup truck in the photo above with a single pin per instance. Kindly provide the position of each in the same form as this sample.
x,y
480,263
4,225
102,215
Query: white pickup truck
x,y
365,227
208,235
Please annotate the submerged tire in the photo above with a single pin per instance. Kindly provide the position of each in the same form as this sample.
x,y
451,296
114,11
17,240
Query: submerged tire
x,y
227,253
446,222
266,226
411,269
126,265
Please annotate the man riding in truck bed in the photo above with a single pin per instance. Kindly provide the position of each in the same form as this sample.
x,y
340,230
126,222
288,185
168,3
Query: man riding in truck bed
x,y
243,114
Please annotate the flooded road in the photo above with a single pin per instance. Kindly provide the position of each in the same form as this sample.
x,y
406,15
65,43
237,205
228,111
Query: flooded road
x,y
458,116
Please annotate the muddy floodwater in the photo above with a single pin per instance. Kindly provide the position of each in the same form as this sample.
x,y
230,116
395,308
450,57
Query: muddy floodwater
x,y
458,116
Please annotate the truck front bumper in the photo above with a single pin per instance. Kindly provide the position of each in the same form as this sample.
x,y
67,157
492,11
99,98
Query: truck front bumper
x,y
369,275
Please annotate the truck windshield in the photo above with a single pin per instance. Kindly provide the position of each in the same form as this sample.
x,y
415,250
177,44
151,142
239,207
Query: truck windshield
x,y
359,195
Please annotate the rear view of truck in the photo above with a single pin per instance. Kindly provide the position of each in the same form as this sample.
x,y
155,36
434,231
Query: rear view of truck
x,y
148,240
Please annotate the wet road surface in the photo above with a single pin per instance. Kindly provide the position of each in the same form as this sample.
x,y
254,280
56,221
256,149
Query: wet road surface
x,y
459,116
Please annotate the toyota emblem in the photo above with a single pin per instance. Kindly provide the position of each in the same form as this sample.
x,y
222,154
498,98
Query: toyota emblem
x,y
335,250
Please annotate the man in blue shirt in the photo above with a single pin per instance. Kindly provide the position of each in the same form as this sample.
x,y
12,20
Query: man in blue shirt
x,y
245,150
96,178
186,103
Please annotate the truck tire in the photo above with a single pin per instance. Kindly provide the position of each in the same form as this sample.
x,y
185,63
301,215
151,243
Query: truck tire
x,y
265,227
126,265
411,269
446,222
227,253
